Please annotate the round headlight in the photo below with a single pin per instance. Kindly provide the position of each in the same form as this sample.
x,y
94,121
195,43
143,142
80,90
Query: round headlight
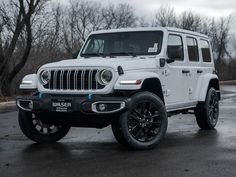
x,y
45,77
105,77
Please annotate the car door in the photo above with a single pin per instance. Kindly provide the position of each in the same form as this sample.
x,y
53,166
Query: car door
x,y
173,82
207,58
193,68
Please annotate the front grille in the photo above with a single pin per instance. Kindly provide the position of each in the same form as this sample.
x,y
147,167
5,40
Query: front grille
x,y
74,80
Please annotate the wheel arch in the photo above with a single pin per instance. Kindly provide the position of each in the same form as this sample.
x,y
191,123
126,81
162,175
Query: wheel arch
x,y
150,82
215,84
153,85
208,82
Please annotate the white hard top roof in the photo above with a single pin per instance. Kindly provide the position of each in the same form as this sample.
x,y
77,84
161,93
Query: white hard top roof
x,y
171,29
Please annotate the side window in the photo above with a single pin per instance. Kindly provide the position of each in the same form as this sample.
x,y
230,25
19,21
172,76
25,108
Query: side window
x,y
205,48
175,47
192,49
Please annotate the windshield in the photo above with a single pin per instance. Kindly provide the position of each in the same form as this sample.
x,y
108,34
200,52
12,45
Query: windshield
x,y
123,44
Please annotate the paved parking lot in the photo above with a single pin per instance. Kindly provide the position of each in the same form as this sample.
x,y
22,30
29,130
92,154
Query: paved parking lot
x,y
186,151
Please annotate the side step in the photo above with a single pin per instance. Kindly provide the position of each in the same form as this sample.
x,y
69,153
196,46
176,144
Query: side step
x,y
184,111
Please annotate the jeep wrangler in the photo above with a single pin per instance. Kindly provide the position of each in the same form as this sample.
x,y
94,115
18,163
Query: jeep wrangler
x,y
131,79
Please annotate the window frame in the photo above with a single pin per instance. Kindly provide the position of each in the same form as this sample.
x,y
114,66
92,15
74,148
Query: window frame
x,y
196,39
84,46
182,42
209,45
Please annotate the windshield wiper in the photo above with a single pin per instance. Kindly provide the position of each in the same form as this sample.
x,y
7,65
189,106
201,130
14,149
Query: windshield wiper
x,y
87,55
122,53
112,54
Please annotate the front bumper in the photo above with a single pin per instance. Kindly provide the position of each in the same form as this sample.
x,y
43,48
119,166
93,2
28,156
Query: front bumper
x,y
86,104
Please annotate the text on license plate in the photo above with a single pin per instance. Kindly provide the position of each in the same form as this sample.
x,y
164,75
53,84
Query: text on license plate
x,y
61,105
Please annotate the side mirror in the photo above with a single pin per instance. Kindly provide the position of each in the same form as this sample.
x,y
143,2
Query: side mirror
x,y
162,62
170,60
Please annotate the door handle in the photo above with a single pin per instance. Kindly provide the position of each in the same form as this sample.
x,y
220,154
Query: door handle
x,y
185,71
199,71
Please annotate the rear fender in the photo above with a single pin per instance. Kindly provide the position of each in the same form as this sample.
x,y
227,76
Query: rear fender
x,y
205,84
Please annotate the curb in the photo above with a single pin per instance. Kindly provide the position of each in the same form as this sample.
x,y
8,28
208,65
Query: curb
x,y
231,82
8,106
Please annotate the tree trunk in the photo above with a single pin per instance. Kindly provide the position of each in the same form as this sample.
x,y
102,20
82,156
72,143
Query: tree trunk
x,y
5,84
23,21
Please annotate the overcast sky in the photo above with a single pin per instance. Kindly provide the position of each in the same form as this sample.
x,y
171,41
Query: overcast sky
x,y
205,7
211,8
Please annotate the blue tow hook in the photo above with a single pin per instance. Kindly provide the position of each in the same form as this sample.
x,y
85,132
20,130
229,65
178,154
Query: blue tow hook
x,y
40,95
90,97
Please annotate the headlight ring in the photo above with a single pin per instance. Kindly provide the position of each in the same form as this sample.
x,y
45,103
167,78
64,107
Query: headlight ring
x,y
104,77
45,77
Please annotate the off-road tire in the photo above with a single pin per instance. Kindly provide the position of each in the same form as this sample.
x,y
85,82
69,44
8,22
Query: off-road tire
x,y
154,129
29,129
207,112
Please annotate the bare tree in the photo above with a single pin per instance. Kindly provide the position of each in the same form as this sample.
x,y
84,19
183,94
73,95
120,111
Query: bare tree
x,y
47,34
220,37
81,18
189,21
142,22
234,44
206,26
119,16
19,19
165,16
109,16
125,16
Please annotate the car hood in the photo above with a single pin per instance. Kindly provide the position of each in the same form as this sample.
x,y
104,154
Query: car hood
x,y
127,63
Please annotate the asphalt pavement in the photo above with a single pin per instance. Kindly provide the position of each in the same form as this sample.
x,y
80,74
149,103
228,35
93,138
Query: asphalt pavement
x,y
186,151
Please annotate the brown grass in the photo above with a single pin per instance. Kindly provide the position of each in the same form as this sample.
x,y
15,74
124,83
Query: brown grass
x,y
5,99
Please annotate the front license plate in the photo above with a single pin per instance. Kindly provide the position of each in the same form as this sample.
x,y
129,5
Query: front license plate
x,y
61,105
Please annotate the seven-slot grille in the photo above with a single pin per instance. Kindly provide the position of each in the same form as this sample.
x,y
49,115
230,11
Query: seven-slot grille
x,y
74,80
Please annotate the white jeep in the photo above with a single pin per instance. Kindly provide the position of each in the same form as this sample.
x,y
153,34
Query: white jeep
x,y
131,79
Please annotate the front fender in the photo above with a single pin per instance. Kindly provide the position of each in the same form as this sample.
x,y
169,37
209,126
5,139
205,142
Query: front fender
x,y
205,80
29,82
132,76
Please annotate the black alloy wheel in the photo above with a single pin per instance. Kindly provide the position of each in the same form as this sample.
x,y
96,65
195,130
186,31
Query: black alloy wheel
x,y
144,121
144,125
207,112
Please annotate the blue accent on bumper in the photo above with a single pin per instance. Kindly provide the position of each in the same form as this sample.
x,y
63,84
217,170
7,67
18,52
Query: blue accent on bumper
x,y
90,97
40,95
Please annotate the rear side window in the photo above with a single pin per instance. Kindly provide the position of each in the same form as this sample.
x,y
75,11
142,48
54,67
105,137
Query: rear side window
x,y
175,47
192,49
205,49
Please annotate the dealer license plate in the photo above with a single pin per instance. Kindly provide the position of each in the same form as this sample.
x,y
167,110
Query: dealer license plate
x,y
61,105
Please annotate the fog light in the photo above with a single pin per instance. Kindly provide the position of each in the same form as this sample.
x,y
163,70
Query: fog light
x,y
30,105
102,107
